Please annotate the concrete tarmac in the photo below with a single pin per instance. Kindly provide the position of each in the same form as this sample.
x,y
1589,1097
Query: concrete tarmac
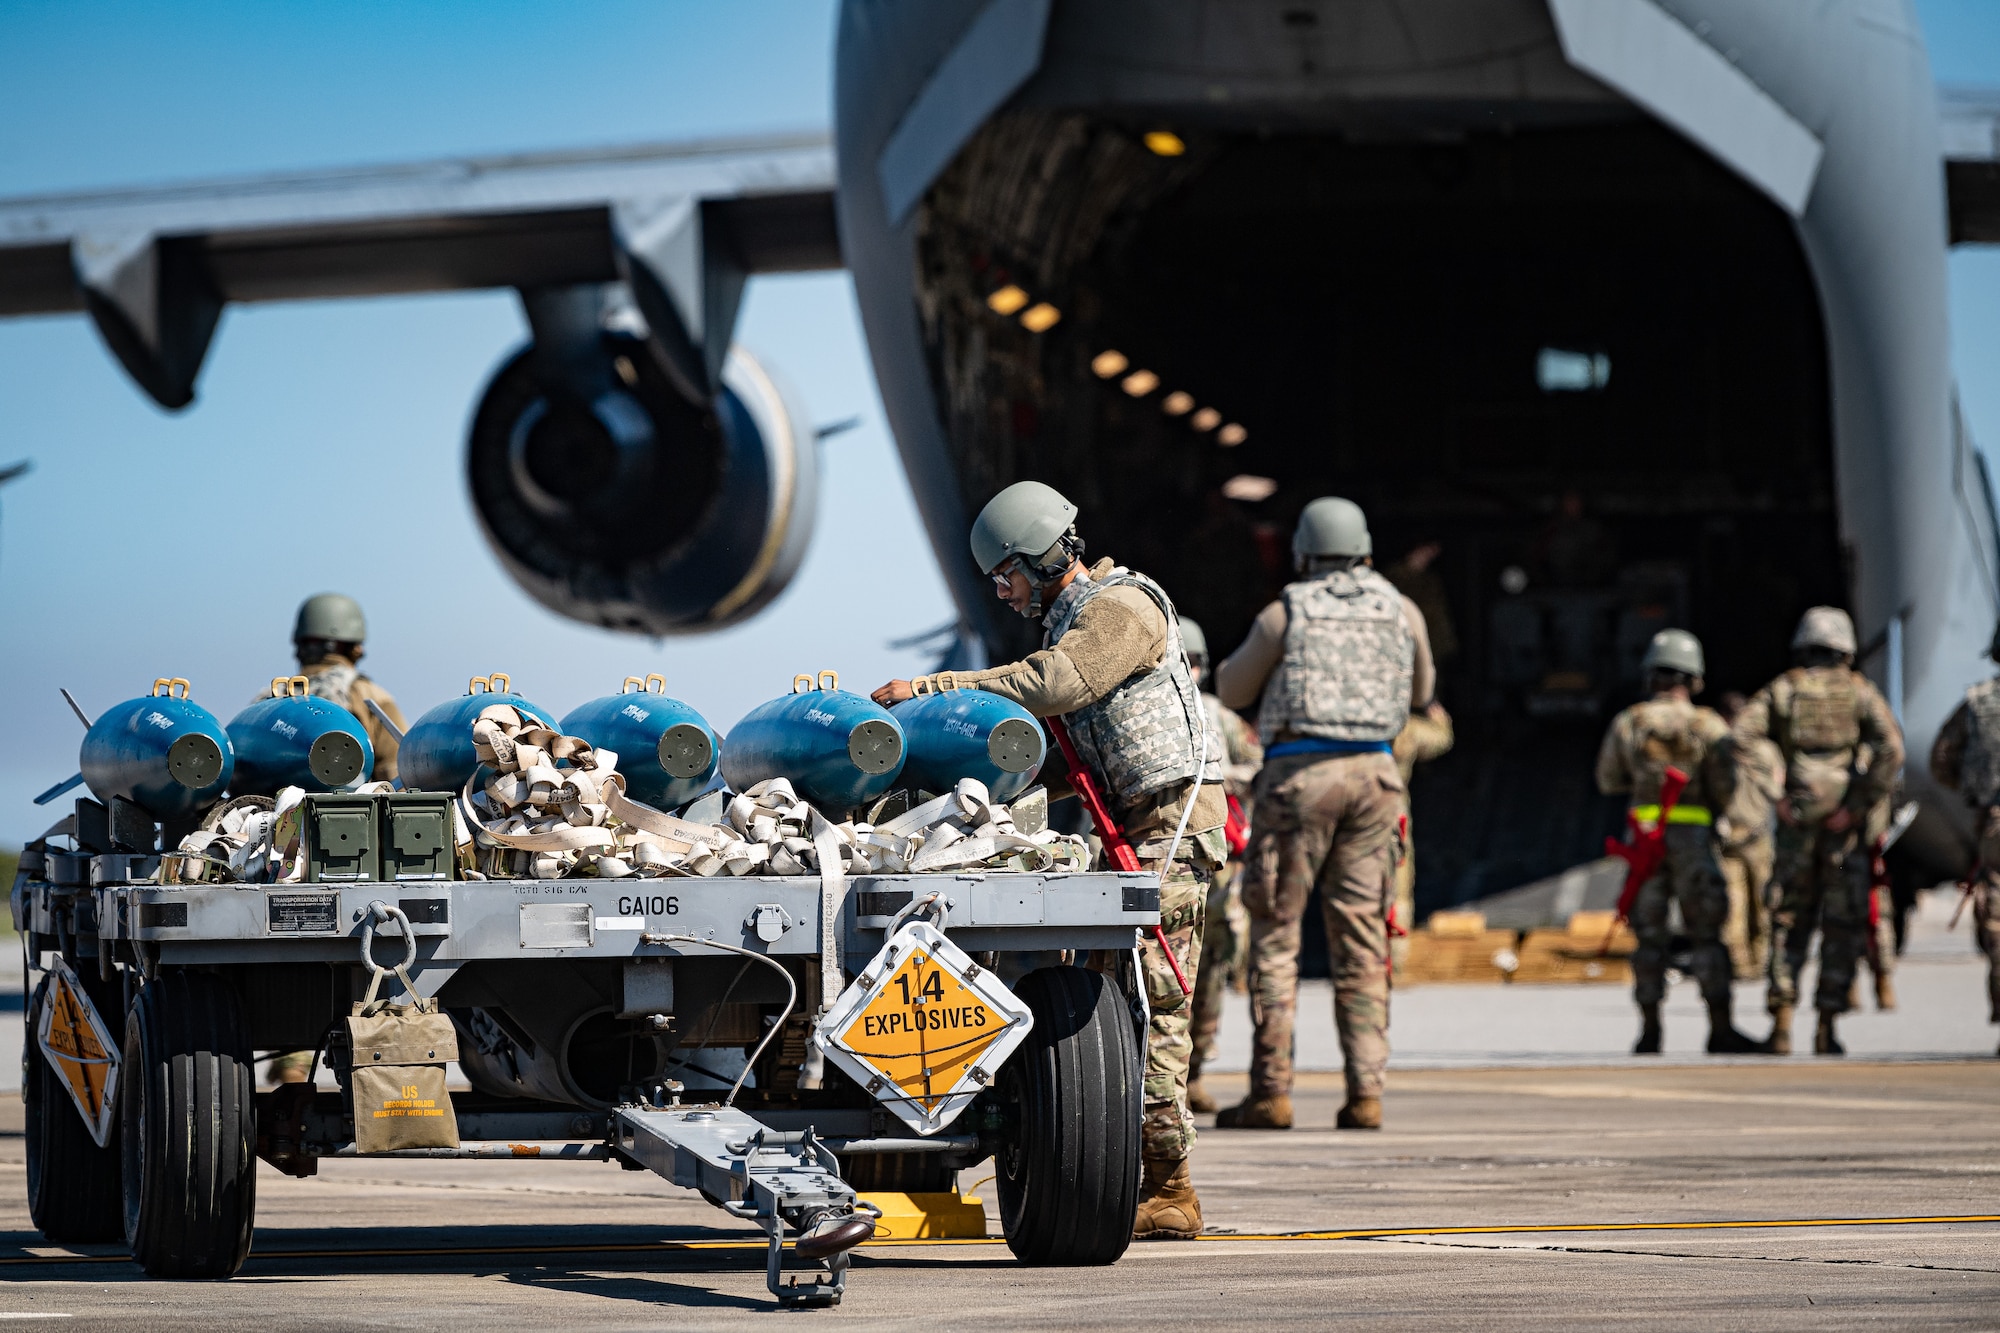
x,y
1551,1181
1519,1153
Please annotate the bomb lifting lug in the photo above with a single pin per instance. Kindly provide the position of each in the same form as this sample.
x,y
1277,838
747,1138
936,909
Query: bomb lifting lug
x,y
760,1175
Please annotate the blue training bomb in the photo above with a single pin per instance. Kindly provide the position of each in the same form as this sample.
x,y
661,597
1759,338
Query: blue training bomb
x,y
294,740
954,733
839,750
666,751
164,753
437,753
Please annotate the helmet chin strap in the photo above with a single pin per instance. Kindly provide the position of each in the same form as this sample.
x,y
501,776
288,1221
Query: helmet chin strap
x,y
1040,579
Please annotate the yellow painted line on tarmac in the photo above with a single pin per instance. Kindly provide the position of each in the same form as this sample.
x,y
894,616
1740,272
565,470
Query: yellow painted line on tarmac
x,y
1369,1233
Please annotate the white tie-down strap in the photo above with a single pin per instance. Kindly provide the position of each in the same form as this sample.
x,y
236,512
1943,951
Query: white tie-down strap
x,y
251,839
552,806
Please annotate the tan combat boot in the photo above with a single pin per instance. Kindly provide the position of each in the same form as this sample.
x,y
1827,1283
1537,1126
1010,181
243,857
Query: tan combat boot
x,y
1198,1099
1169,1209
1360,1113
1273,1112
1824,1042
1780,1040
1885,991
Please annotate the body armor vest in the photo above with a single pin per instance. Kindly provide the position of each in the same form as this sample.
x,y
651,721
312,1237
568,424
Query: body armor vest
x,y
1824,710
331,681
1821,732
1146,733
1663,734
1349,661
1979,768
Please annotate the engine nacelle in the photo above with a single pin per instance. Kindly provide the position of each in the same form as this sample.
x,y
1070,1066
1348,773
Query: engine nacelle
x,y
615,500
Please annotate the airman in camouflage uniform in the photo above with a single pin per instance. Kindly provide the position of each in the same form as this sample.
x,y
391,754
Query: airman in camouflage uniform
x,y
1426,736
1225,925
1112,666
1966,758
1821,714
1340,661
1666,731
327,638
1744,834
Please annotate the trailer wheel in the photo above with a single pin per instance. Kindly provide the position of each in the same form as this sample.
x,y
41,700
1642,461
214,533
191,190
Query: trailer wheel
x,y
190,1128
1068,1168
72,1183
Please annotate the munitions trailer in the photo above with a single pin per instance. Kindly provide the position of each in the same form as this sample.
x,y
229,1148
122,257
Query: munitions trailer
x,y
665,1024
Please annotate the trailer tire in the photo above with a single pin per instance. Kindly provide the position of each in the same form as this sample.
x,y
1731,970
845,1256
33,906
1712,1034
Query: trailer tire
x,y
1068,1168
73,1196
189,1116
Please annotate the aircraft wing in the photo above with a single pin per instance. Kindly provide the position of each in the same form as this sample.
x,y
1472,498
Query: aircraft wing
x,y
153,266
1969,127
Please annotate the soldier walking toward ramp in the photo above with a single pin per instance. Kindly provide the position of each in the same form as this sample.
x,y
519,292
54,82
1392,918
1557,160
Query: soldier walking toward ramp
x,y
1225,935
1966,759
1821,714
1112,667
1666,731
1341,660
1743,830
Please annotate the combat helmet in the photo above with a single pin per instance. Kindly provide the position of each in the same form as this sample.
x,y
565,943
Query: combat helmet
x,y
1825,627
1331,528
1194,643
1027,521
334,617
1674,650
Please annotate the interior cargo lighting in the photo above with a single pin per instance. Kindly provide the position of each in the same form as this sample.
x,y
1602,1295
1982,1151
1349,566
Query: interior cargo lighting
x,y
1177,404
1040,318
1165,143
1561,371
1106,364
1007,300
1140,383
1205,420
1231,435
1249,488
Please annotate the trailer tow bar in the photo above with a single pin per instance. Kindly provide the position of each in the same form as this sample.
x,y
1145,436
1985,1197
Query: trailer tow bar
x,y
760,1175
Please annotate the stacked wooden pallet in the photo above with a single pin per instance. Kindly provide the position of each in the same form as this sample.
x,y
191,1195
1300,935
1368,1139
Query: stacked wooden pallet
x,y
1458,947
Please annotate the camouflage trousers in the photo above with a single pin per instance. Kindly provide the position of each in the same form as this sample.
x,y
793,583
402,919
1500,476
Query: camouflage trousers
x,y
1986,908
1166,1132
291,1066
1692,877
1747,933
1823,879
1326,825
1224,938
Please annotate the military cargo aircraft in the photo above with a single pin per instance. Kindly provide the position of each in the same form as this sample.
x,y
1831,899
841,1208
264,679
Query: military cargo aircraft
x,y
1636,307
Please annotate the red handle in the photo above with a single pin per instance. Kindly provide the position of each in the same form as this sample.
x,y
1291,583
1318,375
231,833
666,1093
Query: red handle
x,y
1116,846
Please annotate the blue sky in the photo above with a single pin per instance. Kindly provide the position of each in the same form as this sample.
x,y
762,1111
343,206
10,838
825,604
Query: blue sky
x,y
325,449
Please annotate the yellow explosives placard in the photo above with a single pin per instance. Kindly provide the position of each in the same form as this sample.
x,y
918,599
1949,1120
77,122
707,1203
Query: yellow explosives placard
x,y
80,1049
923,1028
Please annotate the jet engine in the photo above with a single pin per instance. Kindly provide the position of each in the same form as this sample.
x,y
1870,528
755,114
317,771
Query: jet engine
x,y
616,498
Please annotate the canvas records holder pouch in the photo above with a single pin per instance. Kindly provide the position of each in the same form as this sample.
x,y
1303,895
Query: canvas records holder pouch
x,y
399,1054
396,1057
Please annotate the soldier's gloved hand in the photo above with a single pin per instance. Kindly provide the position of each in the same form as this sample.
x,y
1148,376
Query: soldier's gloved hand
x,y
1840,820
894,693
1787,815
